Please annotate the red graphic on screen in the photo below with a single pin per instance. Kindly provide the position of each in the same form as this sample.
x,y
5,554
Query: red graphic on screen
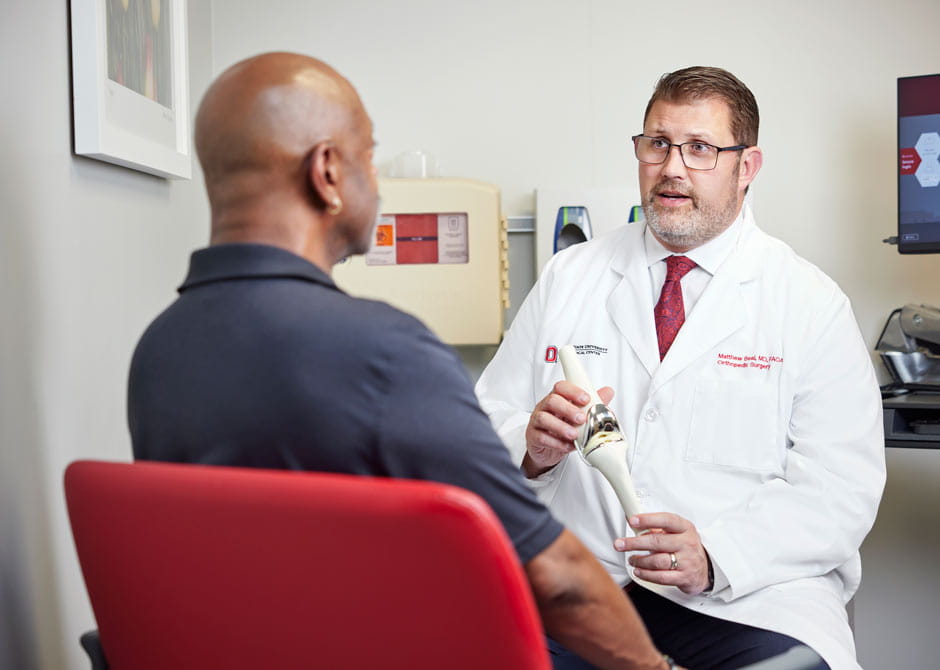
x,y
416,238
910,160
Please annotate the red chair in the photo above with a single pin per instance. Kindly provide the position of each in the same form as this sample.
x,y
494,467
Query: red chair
x,y
209,567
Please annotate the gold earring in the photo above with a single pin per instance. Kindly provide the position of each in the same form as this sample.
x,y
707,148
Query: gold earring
x,y
336,206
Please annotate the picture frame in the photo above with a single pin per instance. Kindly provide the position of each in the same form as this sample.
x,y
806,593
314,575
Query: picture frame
x,y
130,84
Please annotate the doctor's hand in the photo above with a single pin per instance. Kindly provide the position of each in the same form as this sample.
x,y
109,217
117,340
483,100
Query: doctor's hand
x,y
676,556
554,424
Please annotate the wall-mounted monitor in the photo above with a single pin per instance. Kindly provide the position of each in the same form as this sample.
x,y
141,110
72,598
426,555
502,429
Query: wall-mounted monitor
x,y
919,164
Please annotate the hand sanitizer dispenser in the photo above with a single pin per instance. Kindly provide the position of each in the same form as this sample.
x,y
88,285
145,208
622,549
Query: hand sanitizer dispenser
x,y
572,225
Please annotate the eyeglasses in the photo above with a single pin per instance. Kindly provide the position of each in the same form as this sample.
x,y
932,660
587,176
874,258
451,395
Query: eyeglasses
x,y
695,155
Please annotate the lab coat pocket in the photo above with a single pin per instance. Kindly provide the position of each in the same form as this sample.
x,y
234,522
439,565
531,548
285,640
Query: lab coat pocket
x,y
734,424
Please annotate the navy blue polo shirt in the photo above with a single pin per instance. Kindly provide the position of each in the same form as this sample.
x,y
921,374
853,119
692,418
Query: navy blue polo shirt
x,y
264,362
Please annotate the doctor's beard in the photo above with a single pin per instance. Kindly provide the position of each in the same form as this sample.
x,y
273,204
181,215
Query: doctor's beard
x,y
689,229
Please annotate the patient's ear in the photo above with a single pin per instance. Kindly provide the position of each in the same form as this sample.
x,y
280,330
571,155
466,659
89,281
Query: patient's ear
x,y
324,173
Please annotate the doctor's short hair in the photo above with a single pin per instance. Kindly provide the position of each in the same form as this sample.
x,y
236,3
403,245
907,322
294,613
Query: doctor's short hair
x,y
701,83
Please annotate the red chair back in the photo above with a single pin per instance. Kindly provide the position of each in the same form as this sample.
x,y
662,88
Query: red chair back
x,y
193,566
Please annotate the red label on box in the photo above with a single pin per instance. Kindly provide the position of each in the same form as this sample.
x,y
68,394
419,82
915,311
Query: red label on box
x,y
416,238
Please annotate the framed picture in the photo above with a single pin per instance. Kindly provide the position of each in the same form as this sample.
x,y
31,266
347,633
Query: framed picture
x,y
130,84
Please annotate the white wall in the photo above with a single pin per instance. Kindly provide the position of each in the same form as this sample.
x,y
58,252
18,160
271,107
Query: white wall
x,y
89,252
522,94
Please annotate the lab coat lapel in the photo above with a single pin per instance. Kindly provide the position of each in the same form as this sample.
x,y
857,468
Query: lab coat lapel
x,y
717,314
630,305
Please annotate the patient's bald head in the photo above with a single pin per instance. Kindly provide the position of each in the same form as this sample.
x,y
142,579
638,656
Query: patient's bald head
x,y
286,148
269,109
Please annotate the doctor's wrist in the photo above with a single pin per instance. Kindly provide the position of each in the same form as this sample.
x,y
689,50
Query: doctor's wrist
x,y
710,577
533,470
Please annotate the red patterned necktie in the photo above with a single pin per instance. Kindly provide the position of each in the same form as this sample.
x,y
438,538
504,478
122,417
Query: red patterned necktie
x,y
670,310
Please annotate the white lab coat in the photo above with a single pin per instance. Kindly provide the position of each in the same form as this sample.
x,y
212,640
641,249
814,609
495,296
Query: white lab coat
x,y
762,425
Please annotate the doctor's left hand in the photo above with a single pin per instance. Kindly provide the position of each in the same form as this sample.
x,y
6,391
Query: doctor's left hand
x,y
676,556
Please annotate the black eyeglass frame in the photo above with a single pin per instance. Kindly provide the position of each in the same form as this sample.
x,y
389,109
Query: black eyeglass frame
x,y
736,147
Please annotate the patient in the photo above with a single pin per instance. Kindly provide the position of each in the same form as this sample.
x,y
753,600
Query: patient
x,y
263,362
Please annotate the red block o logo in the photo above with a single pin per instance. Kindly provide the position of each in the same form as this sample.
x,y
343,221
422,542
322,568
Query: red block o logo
x,y
551,355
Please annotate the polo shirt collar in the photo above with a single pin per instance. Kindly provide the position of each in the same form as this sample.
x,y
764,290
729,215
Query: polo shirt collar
x,y
224,262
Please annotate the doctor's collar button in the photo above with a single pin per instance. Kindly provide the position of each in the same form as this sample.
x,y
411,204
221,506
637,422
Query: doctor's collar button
x,y
651,414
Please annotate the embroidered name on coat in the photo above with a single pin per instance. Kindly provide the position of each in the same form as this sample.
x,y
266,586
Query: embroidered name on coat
x,y
754,361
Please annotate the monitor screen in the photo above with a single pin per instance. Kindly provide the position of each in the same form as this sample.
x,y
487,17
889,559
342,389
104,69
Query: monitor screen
x,y
919,164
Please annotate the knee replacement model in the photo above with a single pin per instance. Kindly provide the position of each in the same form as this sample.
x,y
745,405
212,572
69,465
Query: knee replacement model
x,y
600,441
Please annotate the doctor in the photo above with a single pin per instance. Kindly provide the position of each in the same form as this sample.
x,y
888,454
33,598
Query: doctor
x,y
743,386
